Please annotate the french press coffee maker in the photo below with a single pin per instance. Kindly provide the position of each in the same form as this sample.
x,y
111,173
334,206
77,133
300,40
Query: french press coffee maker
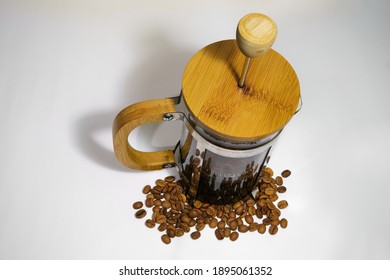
x,y
236,98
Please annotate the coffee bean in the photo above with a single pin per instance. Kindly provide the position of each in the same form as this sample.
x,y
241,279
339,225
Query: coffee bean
x,y
165,238
195,235
283,223
269,191
286,173
234,236
221,224
282,189
179,232
169,179
253,227
240,210
237,204
171,232
243,228
282,204
161,219
213,223
197,204
160,183
219,234
149,202
150,223
138,205
166,204
279,180
146,189
162,227
226,232
200,227
140,214
262,228
233,225
248,219
211,211
273,230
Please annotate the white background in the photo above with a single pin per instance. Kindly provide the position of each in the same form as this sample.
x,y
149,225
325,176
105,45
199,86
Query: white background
x,y
68,67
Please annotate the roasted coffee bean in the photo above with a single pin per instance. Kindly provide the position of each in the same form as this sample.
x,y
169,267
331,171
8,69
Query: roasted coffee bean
x,y
219,234
286,173
169,179
221,224
273,230
165,238
211,211
275,222
171,232
140,214
213,223
250,202
253,227
269,191
282,204
150,223
200,227
234,236
243,228
269,171
179,232
146,189
226,232
249,219
240,210
279,180
270,205
138,205
237,204
266,179
162,227
157,202
161,219
166,204
195,235
149,202
262,228
239,221
160,183
282,189
283,223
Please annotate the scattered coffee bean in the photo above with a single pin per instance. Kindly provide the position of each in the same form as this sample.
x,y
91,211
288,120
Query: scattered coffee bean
x,y
176,213
195,235
283,223
140,214
138,205
286,173
234,236
282,204
165,238
146,189
150,223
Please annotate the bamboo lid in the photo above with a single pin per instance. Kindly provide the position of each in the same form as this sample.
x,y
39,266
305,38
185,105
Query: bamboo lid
x,y
262,107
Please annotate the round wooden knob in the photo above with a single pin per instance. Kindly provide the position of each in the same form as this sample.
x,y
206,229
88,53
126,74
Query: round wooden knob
x,y
255,34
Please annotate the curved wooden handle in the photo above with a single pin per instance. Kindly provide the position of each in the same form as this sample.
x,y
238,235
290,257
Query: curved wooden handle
x,y
136,115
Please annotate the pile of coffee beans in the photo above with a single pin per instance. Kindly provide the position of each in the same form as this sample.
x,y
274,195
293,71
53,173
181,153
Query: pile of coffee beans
x,y
174,213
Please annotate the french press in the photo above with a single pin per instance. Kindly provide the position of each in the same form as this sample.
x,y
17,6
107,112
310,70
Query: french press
x,y
236,98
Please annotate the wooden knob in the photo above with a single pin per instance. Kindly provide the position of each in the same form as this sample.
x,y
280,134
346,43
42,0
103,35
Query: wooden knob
x,y
255,34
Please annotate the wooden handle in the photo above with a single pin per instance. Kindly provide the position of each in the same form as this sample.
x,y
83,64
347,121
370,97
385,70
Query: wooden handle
x,y
136,115
255,34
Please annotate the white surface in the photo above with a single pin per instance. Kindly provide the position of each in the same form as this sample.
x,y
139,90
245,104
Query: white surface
x,y
68,67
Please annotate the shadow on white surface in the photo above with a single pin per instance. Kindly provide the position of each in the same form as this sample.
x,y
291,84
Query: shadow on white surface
x,y
155,77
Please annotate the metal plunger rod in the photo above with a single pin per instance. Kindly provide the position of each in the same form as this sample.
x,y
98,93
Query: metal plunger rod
x,y
244,72
255,35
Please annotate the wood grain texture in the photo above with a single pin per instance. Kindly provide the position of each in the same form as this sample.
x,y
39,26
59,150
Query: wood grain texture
x,y
262,107
255,34
136,115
